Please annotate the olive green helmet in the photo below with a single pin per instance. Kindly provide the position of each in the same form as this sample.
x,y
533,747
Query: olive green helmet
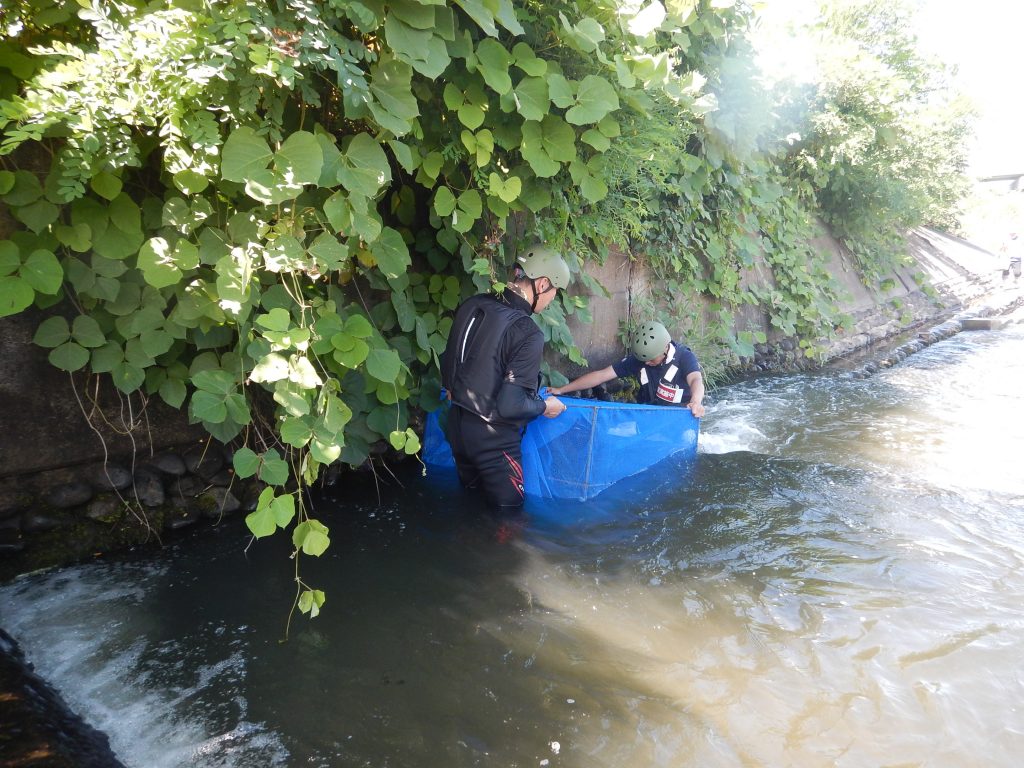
x,y
649,341
541,261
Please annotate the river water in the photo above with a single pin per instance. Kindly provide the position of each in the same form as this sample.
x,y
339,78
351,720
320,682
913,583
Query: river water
x,y
835,580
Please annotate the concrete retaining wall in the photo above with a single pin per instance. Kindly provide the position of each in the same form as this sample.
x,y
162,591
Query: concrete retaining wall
x,y
943,274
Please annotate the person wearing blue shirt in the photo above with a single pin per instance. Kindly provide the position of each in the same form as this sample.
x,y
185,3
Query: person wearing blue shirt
x,y
668,373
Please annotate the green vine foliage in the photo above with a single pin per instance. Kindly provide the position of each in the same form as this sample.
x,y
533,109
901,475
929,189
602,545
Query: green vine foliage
x,y
882,137
265,211
700,197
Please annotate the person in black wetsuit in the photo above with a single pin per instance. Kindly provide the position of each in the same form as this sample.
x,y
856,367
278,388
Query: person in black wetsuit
x,y
668,372
491,371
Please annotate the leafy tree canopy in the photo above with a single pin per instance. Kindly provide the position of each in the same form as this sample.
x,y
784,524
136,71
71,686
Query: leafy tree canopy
x,y
881,135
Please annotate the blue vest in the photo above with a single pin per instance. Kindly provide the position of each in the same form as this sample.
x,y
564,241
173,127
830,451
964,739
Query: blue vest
x,y
663,384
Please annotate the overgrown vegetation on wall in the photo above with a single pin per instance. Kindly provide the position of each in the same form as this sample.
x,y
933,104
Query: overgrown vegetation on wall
x,y
266,211
879,135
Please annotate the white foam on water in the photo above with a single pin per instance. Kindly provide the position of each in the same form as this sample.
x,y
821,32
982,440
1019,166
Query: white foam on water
x,y
87,632
727,438
731,427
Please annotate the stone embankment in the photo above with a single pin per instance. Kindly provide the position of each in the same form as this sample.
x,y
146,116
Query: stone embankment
x,y
67,514
997,315
947,285
941,276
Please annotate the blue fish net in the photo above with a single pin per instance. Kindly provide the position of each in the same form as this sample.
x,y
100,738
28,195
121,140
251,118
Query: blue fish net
x,y
587,449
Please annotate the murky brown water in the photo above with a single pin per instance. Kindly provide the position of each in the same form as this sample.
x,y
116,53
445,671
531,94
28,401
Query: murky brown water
x,y
837,580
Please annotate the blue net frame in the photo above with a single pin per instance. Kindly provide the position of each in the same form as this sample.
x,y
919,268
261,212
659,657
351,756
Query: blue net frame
x,y
587,449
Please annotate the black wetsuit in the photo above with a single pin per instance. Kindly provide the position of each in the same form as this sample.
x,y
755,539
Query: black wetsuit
x,y
491,369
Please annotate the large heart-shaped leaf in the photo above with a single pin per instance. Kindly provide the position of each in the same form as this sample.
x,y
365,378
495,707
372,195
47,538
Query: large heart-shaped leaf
x,y
52,332
300,158
391,253
275,472
548,144
384,364
311,537
595,98
420,48
69,356
506,189
244,153
468,210
42,272
365,167
531,98
37,216
494,63
444,201
395,106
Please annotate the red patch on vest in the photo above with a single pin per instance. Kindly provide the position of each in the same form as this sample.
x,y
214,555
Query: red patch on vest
x,y
666,392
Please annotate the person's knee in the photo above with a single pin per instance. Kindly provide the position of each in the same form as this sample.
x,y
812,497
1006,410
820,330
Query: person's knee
x,y
503,482
506,492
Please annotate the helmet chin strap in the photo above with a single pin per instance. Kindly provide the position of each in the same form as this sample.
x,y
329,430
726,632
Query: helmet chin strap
x,y
519,274
537,294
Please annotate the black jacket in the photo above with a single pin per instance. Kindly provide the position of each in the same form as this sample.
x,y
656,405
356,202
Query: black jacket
x,y
493,342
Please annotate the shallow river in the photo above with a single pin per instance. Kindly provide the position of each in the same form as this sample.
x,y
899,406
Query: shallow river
x,y
836,580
